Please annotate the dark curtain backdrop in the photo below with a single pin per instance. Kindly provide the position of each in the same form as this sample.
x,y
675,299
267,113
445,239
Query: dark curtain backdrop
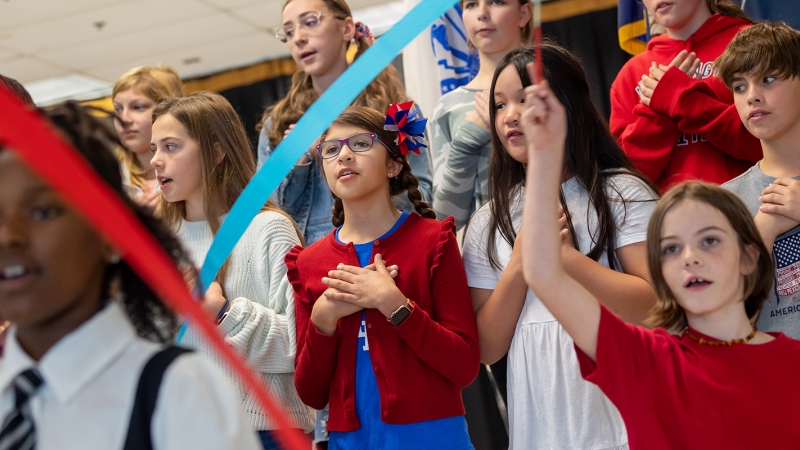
x,y
785,10
592,36
252,100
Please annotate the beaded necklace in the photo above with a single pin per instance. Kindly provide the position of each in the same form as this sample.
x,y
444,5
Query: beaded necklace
x,y
720,343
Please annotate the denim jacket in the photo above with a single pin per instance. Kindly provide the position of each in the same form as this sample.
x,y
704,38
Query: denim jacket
x,y
304,193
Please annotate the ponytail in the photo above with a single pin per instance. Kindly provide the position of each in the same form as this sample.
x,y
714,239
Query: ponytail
x,y
406,181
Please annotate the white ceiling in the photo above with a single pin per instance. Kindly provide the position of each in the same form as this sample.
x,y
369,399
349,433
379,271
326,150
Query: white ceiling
x,y
42,40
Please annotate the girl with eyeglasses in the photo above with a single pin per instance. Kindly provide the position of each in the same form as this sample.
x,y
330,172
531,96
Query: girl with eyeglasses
x,y
390,355
319,34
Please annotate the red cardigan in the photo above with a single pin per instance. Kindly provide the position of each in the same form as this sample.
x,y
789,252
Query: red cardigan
x,y
691,130
420,365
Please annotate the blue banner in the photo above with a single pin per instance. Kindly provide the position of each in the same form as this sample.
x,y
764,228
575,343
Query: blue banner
x,y
633,29
457,63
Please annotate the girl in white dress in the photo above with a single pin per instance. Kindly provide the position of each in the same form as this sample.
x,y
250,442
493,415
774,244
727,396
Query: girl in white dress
x,y
605,207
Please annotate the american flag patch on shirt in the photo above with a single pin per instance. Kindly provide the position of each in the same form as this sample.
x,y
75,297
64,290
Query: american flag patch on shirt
x,y
787,258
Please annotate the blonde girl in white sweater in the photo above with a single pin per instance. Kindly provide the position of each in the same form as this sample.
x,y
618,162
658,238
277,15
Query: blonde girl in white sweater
x,y
203,162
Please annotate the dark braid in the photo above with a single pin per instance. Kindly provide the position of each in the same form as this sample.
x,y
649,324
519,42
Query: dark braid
x,y
338,212
96,142
406,181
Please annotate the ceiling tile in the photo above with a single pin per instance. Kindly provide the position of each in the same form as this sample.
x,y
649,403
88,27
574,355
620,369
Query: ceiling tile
x,y
265,14
6,55
22,13
27,70
232,52
229,4
160,40
130,19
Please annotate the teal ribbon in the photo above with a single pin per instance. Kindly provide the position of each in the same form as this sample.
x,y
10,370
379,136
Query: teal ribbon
x,y
312,124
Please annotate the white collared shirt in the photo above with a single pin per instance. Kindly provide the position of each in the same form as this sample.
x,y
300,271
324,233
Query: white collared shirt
x,y
91,375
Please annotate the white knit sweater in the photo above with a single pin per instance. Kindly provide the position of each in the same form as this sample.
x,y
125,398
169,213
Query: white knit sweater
x,y
261,320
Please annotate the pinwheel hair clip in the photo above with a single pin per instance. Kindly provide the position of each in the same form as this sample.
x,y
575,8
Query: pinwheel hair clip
x,y
409,127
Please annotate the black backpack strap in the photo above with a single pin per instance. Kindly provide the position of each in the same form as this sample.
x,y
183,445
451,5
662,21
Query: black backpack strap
x,y
139,433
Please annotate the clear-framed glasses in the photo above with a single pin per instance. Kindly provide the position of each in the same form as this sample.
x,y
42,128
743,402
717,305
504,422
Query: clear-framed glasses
x,y
357,143
308,24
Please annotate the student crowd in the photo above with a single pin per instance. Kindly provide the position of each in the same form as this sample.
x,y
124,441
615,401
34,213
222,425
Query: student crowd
x,y
632,286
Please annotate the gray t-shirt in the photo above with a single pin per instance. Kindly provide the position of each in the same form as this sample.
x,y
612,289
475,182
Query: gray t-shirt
x,y
781,311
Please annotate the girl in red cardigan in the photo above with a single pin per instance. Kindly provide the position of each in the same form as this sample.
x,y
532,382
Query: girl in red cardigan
x,y
717,382
672,116
390,355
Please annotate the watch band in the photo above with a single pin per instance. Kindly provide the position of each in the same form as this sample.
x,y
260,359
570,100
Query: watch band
x,y
401,313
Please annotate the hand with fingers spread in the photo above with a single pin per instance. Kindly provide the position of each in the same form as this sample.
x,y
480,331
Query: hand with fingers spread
x,y
782,197
544,120
370,289
480,115
687,62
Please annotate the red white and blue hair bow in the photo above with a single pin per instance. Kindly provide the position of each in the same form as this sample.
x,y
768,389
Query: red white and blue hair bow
x,y
410,129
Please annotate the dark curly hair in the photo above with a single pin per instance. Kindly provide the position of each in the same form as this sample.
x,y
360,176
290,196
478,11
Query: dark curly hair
x,y
96,142
405,181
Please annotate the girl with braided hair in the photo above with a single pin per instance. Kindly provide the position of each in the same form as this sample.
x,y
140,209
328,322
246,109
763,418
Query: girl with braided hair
x,y
413,331
84,324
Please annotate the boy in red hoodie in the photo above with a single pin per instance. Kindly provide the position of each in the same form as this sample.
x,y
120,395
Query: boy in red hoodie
x,y
675,126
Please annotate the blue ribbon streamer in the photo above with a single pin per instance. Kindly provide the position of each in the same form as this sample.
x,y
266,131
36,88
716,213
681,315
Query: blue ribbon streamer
x,y
312,124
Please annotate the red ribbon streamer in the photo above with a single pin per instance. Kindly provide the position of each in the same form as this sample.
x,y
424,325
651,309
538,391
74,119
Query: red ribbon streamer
x,y
25,132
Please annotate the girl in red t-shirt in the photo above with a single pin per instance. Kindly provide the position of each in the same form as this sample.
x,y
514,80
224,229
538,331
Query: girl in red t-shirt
x,y
390,355
672,116
718,382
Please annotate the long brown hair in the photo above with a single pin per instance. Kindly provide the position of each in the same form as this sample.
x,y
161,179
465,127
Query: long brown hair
x,y
667,313
156,83
373,121
593,155
214,125
379,94
727,8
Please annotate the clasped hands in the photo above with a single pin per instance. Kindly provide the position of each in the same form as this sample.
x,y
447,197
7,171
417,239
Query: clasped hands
x,y
351,289
687,62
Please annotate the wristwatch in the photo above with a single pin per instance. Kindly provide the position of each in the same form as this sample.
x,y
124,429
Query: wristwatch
x,y
400,314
